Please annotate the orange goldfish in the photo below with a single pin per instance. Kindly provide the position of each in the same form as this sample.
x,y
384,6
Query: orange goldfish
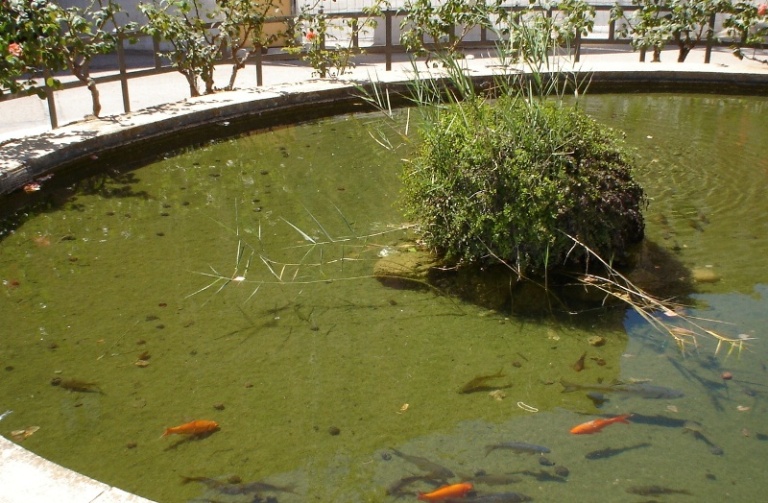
x,y
445,492
598,424
193,428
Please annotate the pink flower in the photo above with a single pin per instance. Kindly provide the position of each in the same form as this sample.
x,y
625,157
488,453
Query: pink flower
x,y
311,36
14,49
762,9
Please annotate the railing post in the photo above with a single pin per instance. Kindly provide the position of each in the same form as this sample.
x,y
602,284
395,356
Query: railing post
x,y
259,67
710,36
612,30
49,98
320,11
156,52
355,34
577,47
388,39
123,74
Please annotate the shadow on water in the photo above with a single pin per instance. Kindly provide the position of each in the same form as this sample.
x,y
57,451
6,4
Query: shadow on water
x,y
654,270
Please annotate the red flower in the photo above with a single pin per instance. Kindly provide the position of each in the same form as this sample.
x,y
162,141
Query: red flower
x,y
14,49
762,9
311,35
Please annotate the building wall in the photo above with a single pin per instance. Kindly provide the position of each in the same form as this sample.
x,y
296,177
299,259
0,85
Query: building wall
x,y
130,12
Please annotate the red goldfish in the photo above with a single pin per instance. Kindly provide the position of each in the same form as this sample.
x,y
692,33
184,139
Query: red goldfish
x,y
193,428
445,492
598,424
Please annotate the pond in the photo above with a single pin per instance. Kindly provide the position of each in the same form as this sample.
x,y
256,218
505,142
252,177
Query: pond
x,y
233,283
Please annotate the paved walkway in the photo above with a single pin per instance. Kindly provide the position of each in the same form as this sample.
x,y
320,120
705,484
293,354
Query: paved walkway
x,y
28,149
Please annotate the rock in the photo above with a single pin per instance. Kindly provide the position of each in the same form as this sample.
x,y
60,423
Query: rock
x,y
405,265
705,275
596,341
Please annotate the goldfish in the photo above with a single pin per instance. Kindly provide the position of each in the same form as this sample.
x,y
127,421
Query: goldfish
x,y
193,428
598,424
445,492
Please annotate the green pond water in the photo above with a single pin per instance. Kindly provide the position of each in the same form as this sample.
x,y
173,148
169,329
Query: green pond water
x,y
234,283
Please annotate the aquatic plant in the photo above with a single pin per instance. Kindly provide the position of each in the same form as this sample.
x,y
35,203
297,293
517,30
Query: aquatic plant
x,y
502,173
313,256
664,315
513,174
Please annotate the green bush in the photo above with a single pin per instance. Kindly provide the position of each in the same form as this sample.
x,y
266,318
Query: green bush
x,y
512,178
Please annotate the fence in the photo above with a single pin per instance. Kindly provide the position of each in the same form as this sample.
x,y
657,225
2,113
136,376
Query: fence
x,y
383,41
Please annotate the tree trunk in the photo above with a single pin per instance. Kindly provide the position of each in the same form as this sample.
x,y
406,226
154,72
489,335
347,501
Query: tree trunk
x,y
237,64
82,72
94,97
192,81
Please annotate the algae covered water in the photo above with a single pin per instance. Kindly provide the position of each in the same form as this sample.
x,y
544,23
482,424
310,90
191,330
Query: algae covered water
x,y
233,283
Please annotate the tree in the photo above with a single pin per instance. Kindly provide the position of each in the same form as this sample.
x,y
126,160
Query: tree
x,y
38,35
689,22
440,22
748,27
194,46
648,26
84,34
200,38
25,29
317,30
242,30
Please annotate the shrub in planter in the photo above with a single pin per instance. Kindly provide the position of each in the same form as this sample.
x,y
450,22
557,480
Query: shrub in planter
x,y
513,178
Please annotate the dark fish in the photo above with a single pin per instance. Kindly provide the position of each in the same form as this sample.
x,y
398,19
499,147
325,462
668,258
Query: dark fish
x,y
480,383
398,488
252,487
609,452
696,225
501,479
598,399
659,420
643,390
579,365
233,488
562,471
209,482
543,461
655,490
542,476
434,470
76,385
519,447
697,430
491,498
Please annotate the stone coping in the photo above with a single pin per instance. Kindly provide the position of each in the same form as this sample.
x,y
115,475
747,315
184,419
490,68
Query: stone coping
x,y
27,478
